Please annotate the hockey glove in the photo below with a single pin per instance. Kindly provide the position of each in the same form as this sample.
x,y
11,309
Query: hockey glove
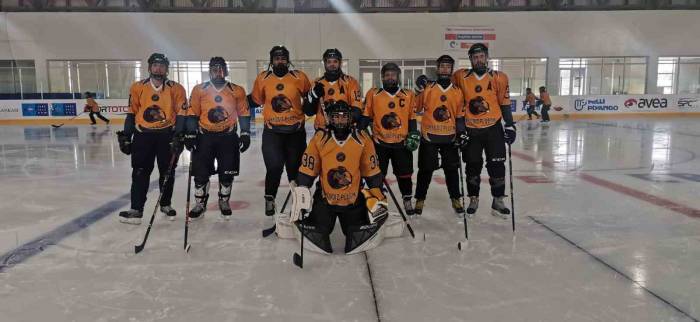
x,y
377,207
124,142
176,145
461,140
412,140
301,201
509,134
318,91
244,142
190,141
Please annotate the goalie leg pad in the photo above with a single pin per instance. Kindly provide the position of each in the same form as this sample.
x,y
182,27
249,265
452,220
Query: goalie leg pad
x,y
317,240
394,226
283,227
365,237
315,228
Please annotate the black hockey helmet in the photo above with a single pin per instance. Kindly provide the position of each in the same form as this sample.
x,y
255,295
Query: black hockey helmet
x,y
158,58
219,62
332,53
422,81
279,51
390,66
477,48
445,59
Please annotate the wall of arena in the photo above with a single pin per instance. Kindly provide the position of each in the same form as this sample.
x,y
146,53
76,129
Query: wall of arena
x,y
192,36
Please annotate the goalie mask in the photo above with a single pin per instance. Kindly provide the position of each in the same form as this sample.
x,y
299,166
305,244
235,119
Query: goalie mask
x,y
339,118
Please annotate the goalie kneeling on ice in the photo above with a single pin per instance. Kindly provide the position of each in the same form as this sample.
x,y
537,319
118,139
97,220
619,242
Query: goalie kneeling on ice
x,y
361,238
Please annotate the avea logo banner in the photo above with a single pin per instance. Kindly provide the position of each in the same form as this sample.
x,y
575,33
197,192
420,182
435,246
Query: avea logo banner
x,y
653,102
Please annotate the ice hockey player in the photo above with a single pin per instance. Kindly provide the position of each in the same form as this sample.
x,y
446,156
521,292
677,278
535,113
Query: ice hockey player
x,y
443,132
333,86
486,94
546,104
342,157
154,104
217,108
94,109
531,104
391,111
281,91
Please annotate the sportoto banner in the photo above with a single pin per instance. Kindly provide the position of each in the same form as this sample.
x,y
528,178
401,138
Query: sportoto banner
x,y
59,109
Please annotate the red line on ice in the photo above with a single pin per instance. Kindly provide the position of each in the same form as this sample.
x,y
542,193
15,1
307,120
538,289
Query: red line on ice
x,y
643,196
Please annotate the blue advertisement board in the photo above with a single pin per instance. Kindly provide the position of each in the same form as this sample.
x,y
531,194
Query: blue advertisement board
x,y
35,109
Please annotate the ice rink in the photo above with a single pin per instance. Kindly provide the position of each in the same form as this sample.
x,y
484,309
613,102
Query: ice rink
x,y
607,229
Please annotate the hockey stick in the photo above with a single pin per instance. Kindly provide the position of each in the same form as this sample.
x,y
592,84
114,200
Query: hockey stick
x,y
461,187
68,120
393,197
173,161
299,259
512,196
187,207
520,119
268,231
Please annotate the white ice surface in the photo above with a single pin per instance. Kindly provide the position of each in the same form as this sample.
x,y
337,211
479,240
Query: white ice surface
x,y
49,177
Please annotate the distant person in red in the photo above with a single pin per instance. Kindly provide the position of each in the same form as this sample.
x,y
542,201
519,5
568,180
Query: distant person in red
x,y
94,109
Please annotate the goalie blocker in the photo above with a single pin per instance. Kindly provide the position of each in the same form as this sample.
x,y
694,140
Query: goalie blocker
x,y
341,157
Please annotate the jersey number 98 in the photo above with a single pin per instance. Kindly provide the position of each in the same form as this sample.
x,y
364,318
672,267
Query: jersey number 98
x,y
308,161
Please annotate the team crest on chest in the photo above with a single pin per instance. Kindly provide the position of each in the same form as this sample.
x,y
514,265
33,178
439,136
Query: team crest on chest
x,y
478,88
218,99
281,103
443,98
339,178
442,114
154,114
392,105
279,87
391,121
340,156
331,91
155,97
217,115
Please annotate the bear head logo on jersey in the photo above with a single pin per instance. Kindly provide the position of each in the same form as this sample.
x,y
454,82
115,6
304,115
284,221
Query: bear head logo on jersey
x,y
339,178
391,121
441,114
154,114
478,106
217,115
281,103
